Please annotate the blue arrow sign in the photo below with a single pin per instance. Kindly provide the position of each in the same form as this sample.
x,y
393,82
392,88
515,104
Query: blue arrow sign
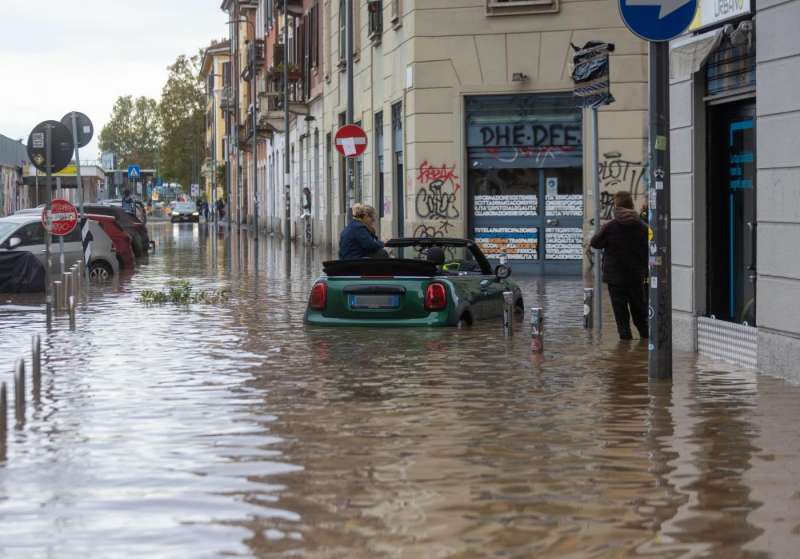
x,y
134,171
657,20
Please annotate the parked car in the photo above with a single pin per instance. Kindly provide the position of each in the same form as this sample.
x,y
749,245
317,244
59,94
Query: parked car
x,y
141,210
26,232
185,211
140,239
121,240
415,289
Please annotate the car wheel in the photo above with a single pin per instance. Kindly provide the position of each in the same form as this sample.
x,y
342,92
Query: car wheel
x,y
100,271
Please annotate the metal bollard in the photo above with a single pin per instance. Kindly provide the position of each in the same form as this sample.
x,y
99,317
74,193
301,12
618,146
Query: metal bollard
x,y
19,390
3,413
588,296
36,366
57,288
508,313
71,307
68,287
537,330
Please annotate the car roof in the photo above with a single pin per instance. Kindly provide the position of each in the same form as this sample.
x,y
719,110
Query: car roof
x,y
21,218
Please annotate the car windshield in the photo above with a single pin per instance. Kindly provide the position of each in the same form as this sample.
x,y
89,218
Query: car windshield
x,y
6,229
457,259
185,207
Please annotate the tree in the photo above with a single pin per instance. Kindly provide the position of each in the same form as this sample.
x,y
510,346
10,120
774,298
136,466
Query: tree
x,y
133,132
182,112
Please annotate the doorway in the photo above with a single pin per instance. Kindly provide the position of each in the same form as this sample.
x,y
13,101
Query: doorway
x,y
731,207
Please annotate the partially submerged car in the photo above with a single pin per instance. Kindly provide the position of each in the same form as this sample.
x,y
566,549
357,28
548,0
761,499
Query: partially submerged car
x,y
140,239
431,282
25,232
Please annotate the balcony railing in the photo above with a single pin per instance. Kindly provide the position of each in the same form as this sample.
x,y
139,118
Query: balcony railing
x,y
226,100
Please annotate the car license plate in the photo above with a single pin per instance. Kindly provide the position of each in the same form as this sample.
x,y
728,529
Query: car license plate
x,y
374,301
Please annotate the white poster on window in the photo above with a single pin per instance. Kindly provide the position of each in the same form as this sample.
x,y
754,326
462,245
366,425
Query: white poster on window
x,y
563,243
564,205
518,243
487,205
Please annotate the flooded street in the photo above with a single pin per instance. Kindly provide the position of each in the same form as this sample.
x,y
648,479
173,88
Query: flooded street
x,y
235,430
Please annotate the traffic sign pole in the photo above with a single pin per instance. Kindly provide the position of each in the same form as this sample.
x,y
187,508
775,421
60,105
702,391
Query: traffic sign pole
x,y
48,204
350,117
74,119
660,286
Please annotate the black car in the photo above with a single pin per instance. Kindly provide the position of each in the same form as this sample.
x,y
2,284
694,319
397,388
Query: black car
x,y
185,211
140,239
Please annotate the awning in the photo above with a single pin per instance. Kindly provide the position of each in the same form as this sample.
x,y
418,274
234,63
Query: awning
x,y
688,53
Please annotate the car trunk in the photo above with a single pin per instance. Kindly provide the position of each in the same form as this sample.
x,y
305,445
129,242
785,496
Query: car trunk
x,y
377,288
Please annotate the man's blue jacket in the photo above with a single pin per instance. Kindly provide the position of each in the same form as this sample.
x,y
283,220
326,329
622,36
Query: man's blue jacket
x,y
357,241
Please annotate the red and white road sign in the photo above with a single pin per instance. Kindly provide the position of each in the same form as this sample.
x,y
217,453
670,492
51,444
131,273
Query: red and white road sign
x,y
351,140
62,219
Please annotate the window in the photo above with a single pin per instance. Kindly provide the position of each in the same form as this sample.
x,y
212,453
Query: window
x,y
342,32
31,234
516,7
314,35
397,168
326,30
378,125
375,13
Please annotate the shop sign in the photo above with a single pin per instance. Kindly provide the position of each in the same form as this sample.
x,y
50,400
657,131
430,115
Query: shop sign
x,y
713,12
562,135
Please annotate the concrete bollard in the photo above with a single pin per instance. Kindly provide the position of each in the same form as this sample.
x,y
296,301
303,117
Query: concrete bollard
x,y
508,313
588,304
537,330
57,296
19,390
36,366
71,308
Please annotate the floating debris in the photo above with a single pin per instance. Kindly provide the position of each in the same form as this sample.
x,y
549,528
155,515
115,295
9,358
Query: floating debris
x,y
180,292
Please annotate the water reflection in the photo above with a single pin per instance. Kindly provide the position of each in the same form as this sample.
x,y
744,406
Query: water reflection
x,y
214,430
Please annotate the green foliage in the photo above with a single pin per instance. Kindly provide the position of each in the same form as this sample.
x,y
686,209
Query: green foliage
x,y
182,112
180,292
133,133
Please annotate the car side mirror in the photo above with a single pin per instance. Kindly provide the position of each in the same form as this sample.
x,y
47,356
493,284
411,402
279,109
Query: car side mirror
x,y
14,242
502,271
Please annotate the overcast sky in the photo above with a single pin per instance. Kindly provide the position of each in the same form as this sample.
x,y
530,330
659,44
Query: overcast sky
x,y
62,55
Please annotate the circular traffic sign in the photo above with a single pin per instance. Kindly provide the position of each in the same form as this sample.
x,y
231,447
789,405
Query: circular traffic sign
x,y
62,219
657,20
84,124
351,140
61,146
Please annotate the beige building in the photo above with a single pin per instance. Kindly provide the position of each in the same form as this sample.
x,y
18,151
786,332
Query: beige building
x,y
215,70
471,122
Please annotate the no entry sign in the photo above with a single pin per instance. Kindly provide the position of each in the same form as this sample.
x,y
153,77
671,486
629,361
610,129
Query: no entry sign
x,y
351,140
62,219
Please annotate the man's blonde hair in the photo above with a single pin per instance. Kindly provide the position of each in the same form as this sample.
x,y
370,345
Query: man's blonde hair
x,y
362,210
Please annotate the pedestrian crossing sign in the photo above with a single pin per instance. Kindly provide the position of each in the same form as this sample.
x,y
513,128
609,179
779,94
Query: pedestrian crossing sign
x,y
134,172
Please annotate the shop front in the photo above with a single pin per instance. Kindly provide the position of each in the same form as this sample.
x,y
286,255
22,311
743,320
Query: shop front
x,y
525,180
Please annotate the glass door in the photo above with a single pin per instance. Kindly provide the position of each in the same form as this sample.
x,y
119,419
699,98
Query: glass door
x,y
732,213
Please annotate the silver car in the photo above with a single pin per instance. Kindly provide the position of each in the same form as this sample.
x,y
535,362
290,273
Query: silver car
x,y
24,231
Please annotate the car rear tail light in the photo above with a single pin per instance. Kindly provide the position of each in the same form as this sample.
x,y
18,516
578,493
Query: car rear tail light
x,y
319,296
435,297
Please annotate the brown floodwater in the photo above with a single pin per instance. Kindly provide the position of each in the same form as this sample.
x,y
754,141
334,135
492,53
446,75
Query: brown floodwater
x,y
234,430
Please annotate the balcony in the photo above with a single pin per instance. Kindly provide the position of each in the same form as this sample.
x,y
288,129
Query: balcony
x,y
226,100
257,56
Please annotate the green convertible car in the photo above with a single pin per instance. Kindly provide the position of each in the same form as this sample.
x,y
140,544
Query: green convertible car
x,y
430,282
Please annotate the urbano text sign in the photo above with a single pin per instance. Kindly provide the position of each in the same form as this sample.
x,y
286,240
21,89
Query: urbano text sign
x,y
713,12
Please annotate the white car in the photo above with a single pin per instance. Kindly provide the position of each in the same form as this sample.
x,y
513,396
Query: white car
x,y
25,231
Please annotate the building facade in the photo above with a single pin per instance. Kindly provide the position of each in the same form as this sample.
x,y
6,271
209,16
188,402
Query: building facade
x,y
468,108
215,71
735,171
14,194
